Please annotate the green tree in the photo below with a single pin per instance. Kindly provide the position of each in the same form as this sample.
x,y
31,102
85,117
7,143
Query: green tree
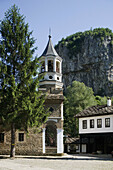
x,y
77,98
21,105
101,100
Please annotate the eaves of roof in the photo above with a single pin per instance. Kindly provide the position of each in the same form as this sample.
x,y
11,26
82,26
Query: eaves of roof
x,y
98,110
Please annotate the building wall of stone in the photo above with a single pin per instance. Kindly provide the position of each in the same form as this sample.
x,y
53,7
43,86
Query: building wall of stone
x,y
32,144
56,109
6,145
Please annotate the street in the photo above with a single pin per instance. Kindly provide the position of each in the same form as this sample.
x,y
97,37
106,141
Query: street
x,y
76,162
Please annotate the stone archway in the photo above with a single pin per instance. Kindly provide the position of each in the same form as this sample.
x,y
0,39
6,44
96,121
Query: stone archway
x,y
51,137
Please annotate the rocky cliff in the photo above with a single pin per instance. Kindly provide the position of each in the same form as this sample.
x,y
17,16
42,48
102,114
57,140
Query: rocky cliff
x,y
88,57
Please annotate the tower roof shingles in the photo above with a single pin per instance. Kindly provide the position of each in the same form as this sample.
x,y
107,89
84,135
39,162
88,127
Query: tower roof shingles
x,y
49,50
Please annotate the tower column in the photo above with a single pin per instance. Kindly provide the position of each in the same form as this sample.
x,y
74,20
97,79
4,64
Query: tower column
x,y
40,69
62,111
59,140
46,66
54,65
43,139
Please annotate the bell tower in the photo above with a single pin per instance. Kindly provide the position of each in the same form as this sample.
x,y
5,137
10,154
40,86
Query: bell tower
x,y
51,66
51,84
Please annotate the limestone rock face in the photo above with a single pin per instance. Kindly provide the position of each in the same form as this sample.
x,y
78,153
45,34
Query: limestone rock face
x,y
88,58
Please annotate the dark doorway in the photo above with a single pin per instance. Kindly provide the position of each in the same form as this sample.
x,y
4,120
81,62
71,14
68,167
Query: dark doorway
x,y
51,135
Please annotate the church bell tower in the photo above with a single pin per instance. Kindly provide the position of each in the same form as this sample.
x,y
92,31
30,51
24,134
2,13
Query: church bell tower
x,y
51,84
52,66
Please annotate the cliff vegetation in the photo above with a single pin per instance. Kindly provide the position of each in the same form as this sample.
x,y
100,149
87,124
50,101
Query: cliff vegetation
x,y
88,58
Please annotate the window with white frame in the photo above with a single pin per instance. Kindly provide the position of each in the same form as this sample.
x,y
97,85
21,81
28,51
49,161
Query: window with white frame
x,y
50,65
84,124
92,123
57,66
43,67
107,122
99,123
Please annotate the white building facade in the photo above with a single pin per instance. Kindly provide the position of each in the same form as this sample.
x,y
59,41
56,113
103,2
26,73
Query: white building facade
x,y
96,124
96,129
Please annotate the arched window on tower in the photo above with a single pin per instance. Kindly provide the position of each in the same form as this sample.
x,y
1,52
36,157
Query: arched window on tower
x,y
57,67
43,66
50,65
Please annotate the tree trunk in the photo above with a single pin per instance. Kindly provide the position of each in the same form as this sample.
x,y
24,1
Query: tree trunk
x,y
12,153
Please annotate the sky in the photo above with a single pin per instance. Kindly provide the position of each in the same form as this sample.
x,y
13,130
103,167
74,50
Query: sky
x,y
63,17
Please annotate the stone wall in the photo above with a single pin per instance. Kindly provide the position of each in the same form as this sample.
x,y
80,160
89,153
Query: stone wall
x,y
32,144
33,141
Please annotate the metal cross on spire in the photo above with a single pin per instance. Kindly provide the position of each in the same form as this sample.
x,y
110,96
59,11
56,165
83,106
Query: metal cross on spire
x,y
49,32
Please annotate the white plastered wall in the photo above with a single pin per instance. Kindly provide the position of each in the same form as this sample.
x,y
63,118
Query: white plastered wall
x,y
43,139
95,129
59,140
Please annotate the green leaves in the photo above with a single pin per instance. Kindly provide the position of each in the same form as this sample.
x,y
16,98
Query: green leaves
x,y
77,97
20,101
75,42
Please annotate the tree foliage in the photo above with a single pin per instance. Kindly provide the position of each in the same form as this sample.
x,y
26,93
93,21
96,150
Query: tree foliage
x,y
74,42
101,100
21,105
77,98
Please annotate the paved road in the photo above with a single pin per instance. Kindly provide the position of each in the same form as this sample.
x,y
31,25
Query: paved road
x,y
57,163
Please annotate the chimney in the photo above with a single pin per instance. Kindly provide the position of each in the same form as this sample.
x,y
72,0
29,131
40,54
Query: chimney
x,y
108,102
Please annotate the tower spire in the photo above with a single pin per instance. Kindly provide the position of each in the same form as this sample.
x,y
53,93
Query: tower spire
x,y
49,32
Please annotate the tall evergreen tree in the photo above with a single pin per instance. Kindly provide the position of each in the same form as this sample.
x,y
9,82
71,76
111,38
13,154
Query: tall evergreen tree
x,y
77,98
21,105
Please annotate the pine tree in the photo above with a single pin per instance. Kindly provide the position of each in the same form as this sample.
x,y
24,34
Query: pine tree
x,y
21,104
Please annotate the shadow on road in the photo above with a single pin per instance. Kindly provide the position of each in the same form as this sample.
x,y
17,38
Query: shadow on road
x,y
67,157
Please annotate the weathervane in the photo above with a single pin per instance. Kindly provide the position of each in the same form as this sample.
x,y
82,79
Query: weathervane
x,y
49,32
